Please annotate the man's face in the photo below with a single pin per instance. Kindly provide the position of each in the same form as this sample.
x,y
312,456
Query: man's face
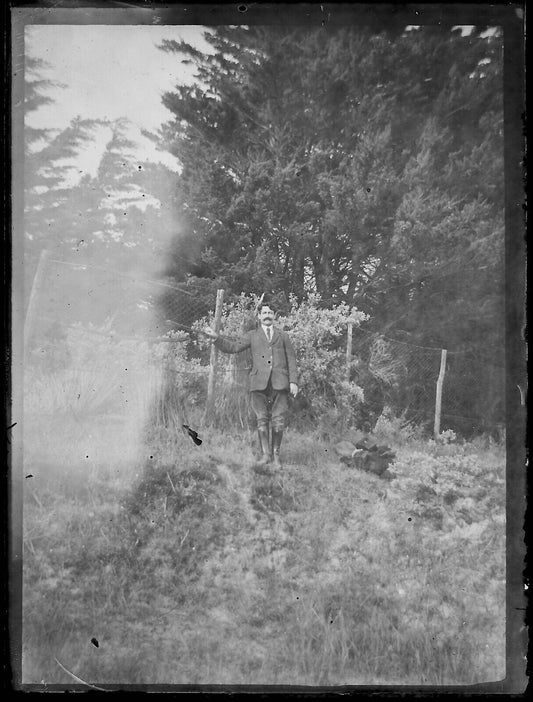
x,y
266,316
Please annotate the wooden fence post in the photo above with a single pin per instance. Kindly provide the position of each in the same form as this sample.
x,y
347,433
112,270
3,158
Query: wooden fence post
x,y
209,405
438,398
29,318
349,350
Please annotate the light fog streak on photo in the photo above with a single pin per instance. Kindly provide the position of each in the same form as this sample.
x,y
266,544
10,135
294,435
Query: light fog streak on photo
x,y
98,223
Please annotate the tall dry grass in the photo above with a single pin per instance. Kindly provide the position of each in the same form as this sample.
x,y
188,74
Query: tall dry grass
x,y
187,568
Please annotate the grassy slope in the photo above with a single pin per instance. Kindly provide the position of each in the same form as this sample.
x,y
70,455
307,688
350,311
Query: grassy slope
x,y
187,569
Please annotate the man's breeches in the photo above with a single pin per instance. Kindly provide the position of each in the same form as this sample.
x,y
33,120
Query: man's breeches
x,y
270,405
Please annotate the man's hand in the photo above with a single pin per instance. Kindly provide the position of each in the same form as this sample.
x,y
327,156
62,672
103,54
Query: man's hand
x,y
258,304
210,333
293,389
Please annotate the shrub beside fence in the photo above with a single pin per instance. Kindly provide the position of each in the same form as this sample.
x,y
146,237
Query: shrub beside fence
x,y
110,342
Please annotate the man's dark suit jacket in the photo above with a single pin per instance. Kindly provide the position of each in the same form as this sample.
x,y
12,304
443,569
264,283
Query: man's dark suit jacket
x,y
276,359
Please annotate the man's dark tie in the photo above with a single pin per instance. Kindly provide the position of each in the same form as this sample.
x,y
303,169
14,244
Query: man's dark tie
x,y
269,333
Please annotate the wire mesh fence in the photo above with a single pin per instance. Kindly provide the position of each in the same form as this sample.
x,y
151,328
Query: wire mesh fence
x,y
403,376
102,341
121,303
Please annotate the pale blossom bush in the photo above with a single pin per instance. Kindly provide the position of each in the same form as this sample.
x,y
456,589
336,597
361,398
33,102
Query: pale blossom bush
x,y
319,339
447,436
396,429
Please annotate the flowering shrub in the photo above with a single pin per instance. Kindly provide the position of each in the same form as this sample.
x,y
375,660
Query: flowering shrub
x,y
447,437
396,429
319,339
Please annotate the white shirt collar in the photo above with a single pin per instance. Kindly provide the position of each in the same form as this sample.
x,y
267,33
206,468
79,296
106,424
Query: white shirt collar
x,y
265,328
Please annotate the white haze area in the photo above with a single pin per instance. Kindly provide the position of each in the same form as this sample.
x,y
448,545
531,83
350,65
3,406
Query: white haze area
x,y
93,372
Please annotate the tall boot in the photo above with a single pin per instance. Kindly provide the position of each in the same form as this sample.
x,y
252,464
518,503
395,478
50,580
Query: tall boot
x,y
263,432
277,436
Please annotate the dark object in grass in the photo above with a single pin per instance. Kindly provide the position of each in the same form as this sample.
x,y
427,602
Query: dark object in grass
x,y
366,456
193,434
387,475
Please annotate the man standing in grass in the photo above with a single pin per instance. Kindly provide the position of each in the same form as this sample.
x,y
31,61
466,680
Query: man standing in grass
x,y
273,376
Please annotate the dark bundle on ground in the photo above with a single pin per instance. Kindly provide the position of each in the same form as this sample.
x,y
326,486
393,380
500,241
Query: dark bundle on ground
x,y
366,455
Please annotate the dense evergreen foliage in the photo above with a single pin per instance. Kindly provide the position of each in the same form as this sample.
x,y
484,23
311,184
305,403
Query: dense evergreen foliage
x,y
362,166
366,167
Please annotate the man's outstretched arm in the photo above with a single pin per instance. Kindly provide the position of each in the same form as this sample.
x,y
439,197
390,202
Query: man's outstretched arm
x,y
226,345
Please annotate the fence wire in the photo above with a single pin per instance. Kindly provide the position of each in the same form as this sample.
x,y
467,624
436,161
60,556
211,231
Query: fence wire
x,y
403,376
128,304
111,341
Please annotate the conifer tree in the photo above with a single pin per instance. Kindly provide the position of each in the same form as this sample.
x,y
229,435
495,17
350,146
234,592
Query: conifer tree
x,y
365,166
